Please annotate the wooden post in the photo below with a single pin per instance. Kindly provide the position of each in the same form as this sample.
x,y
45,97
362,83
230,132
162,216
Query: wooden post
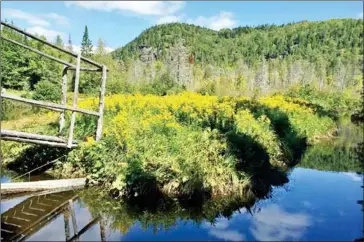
x,y
63,98
101,104
73,216
102,230
66,224
75,95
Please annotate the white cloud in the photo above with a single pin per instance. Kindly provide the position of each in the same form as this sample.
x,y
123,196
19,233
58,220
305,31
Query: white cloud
x,y
275,224
59,19
360,15
353,176
21,15
217,22
168,19
48,33
35,19
77,49
152,8
229,235
220,231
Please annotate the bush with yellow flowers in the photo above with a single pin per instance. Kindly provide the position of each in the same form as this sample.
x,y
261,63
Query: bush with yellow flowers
x,y
183,143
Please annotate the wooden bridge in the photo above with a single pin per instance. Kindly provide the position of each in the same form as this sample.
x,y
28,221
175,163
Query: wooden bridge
x,y
68,142
28,217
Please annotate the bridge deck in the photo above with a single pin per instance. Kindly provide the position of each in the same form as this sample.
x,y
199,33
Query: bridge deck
x,y
26,216
54,141
18,187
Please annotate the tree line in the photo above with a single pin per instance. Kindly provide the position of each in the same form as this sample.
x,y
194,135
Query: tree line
x,y
172,57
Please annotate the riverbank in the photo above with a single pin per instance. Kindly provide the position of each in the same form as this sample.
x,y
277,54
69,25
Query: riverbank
x,y
190,143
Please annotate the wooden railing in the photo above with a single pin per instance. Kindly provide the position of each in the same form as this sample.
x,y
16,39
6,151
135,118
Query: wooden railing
x,y
52,140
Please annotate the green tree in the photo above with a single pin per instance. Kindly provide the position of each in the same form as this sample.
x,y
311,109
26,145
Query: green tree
x,y
86,44
59,41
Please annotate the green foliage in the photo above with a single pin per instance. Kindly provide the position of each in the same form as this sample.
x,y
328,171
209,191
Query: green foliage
x,y
329,103
183,144
300,40
47,91
86,44
11,110
162,86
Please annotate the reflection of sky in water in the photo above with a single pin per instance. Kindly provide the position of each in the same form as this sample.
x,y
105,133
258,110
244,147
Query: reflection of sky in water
x,y
315,205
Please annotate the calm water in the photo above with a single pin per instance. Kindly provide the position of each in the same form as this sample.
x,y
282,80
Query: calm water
x,y
319,202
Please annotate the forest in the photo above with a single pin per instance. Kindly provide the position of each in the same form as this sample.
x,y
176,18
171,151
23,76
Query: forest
x,y
326,55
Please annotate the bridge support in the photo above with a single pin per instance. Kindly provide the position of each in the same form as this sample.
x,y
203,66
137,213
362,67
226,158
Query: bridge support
x,y
67,66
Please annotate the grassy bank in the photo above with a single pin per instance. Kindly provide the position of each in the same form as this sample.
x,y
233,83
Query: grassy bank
x,y
185,143
188,143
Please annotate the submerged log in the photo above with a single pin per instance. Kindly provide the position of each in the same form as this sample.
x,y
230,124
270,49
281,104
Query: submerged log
x,y
18,187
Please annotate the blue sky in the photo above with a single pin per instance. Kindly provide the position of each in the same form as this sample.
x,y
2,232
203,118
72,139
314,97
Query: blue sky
x,y
117,23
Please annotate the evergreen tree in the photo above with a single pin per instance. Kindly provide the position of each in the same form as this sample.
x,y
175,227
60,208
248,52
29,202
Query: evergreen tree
x,y
86,45
59,41
69,46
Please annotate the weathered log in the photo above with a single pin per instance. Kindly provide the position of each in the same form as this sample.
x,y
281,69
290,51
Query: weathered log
x,y
18,134
84,229
63,98
101,104
38,142
17,187
9,196
66,224
75,95
86,69
52,106
73,216
50,44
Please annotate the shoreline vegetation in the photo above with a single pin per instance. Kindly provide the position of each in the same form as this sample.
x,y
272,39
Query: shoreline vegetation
x,y
186,144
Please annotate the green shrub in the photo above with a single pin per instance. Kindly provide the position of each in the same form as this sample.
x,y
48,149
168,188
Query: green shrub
x,y
47,91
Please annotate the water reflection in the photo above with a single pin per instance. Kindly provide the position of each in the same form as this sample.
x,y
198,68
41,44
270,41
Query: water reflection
x,y
275,224
221,230
319,203
302,212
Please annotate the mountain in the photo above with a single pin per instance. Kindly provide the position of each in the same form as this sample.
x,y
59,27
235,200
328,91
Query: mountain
x,y
327,39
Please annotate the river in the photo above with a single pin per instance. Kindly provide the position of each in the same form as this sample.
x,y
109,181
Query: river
x,y
319,202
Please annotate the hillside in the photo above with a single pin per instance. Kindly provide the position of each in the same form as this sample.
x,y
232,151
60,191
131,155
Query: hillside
x,y
304,40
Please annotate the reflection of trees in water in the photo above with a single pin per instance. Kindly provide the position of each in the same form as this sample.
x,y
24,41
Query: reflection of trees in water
x,y
358,119
344,153
159,211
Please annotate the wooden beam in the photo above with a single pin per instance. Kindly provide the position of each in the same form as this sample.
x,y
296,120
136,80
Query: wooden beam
x,y
63,98
38,142
50,44
16,187
86,69
101,104
73,216
84,229
49,105
18,134
75,95
102,230
38,52
66,224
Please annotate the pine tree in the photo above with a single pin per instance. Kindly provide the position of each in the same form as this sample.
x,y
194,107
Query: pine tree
x,y
59,41
69,46
86,45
